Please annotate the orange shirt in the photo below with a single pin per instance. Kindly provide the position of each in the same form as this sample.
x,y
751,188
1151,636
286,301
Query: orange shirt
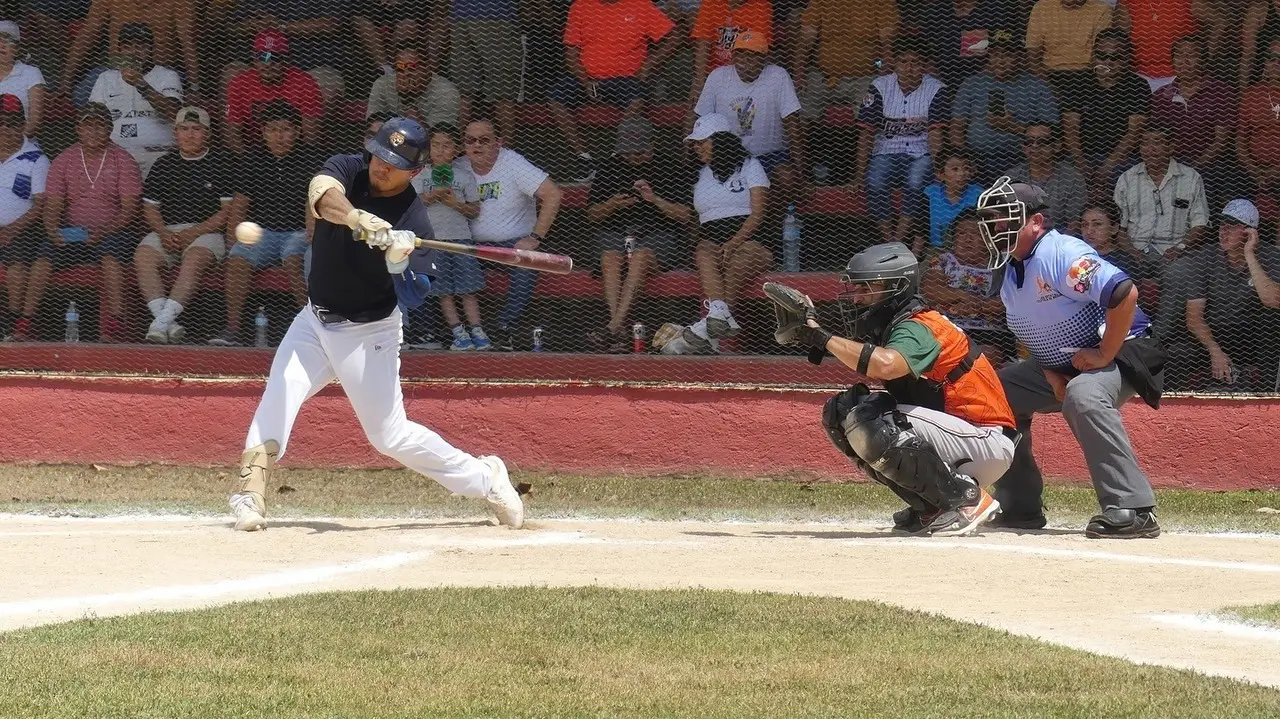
x,y
719,24
614,37
1260,123
1156,25
849,41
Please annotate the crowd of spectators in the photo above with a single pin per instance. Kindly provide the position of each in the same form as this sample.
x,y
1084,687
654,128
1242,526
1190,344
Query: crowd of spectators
x,y
1152,125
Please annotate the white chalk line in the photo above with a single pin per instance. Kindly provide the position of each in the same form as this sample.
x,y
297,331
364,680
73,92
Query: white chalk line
x,y
263,582
539,539
1068,554
68,533
1205,623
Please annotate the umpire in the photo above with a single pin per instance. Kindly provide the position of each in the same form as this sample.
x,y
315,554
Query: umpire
x,y
1091,351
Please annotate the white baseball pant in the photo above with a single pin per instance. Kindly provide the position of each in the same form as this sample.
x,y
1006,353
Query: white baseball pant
x,y
365,358
983,453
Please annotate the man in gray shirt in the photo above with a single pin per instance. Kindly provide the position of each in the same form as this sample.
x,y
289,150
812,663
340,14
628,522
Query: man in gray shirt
x,y
415,90
993,108
1059,179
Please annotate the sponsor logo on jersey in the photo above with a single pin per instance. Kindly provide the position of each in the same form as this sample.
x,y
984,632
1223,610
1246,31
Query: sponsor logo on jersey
x,y
1081,273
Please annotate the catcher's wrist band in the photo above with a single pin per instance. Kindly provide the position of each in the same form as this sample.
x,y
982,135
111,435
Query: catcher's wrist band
x,y
864,359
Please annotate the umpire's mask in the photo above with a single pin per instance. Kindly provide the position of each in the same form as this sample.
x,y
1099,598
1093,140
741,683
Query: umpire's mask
x,y
1003,210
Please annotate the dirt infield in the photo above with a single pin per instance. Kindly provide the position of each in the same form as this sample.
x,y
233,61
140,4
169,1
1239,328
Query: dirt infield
x,y
1146,601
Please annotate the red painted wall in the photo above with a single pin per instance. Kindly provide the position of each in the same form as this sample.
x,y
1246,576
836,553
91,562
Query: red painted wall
x,y
1207,444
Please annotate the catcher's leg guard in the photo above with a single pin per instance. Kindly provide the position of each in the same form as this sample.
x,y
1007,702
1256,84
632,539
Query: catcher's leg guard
x,y
255,467
883,438
834,413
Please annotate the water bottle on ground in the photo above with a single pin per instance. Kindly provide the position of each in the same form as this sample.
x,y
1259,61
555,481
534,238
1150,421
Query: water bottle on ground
x,y
72,333
260,328
791,231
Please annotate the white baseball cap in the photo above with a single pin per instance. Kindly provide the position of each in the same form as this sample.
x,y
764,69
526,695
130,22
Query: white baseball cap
x,y
10,28
708,125
1240,212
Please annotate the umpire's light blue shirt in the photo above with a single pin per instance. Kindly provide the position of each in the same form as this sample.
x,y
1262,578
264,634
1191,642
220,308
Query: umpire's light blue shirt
x,y
1055,300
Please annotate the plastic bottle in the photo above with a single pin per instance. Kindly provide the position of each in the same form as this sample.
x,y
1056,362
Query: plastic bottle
x,y
792,228
73,324
260,328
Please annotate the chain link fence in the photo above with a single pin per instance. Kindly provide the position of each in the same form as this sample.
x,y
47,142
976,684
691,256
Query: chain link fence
x,y
137,135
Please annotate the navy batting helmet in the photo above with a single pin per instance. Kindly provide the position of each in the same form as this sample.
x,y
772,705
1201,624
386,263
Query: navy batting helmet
x,y
402,143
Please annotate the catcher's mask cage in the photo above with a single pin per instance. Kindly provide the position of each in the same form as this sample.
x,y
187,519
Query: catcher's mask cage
x,y
866,309
1001,215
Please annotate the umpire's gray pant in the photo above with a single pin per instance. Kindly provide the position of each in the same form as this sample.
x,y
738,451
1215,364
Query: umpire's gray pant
x,y
1091,408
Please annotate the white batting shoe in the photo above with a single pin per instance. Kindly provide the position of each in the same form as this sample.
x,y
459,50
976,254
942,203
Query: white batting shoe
x,y
503,498
248,509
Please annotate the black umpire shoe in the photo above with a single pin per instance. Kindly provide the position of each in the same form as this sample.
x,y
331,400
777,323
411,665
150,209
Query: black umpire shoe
x,y
1116,523
1006,520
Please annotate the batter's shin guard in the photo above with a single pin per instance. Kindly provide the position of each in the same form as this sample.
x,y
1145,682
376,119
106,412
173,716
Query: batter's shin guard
x,y
255,467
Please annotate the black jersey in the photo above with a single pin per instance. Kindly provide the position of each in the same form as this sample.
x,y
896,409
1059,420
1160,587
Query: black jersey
x,y
349,277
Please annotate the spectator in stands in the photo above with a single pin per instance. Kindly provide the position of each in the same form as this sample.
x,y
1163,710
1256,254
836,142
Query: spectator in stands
x,y
1232,308
946,199
625,208
486,54
23,173
1200,111
402,20
852,47
959,284
273,195
49,24
901,121
314,30
19,79
184,202
272,77
960,31
760,101
452,198
1155,26
729,201
518,204
91,199
1258,138
716,29
1100,227
1062,183
1060,42
172,21
606,45
1162,204
1259,29
141,96
993,108
1102,120
415,90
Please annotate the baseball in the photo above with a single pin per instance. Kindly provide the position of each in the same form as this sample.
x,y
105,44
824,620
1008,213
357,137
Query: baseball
x,y
249,233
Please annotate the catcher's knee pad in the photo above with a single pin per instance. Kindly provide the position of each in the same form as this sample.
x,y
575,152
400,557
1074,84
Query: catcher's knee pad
x,y
256,464
834,413
886,441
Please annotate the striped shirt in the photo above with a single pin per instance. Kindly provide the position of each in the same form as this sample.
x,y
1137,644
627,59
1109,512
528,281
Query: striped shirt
x,y
902,120
1157,218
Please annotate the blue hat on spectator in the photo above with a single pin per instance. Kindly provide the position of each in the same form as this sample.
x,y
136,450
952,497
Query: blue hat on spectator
x,y
1239,212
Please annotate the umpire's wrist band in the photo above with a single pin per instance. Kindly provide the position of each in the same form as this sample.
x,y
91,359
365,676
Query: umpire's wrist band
x,y
864,359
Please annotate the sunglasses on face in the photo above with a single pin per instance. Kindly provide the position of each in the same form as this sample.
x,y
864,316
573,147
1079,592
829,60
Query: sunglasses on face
x,y
1105,56
407,66
268,57
479,140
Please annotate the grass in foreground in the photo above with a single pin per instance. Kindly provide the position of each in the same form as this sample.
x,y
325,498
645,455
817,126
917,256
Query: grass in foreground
x,y
370,493
580,652
1262,614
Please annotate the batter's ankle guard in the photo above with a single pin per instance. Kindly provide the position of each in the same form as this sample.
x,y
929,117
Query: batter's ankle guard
x,y
255,467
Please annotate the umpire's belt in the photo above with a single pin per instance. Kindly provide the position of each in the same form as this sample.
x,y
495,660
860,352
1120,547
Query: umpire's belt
x,y
329,317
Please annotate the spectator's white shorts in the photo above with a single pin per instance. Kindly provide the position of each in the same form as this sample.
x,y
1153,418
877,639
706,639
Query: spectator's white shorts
x,y
213,242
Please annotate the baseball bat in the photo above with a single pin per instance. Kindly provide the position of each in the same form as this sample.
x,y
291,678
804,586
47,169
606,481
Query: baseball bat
x,y
526,259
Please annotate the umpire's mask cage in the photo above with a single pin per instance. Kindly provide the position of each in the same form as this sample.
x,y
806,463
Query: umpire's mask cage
x,y
1001,216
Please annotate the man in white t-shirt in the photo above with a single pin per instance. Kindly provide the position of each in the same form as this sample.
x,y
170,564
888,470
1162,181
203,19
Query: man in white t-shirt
x,y
23,172
141,96
518,204
760,99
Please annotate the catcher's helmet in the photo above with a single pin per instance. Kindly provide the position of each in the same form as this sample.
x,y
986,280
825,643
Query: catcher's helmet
x,y
1003,209
401,142
867,311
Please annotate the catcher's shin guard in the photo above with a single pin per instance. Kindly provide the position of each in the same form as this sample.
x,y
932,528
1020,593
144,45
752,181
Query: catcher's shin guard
x,y
255,467
834,413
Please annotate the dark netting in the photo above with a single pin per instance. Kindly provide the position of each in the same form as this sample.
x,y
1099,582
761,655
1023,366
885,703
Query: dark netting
x,y
137,134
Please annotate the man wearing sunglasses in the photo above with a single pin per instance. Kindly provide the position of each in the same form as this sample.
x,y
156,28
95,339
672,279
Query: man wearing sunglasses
x,y
1064,187
272,77
1091,351
415,90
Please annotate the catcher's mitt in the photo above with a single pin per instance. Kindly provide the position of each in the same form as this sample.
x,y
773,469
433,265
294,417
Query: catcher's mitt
x,y
794,310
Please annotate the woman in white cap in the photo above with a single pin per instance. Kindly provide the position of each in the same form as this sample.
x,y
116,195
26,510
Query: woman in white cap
x,y
729,199
20,79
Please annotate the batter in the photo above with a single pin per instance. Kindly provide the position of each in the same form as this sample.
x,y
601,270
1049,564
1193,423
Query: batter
x,y
351,328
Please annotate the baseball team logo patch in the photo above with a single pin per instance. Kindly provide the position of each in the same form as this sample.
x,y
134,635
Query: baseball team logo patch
x,y
396,139
1081,273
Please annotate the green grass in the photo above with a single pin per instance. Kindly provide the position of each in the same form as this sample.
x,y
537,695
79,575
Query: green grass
x,y
1262,614
56,489
585,652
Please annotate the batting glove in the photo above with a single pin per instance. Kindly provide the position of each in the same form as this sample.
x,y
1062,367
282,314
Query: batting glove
x,y
401,245
369,228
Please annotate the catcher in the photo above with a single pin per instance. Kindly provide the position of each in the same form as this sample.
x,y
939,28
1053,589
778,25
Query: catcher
x,y
941,430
